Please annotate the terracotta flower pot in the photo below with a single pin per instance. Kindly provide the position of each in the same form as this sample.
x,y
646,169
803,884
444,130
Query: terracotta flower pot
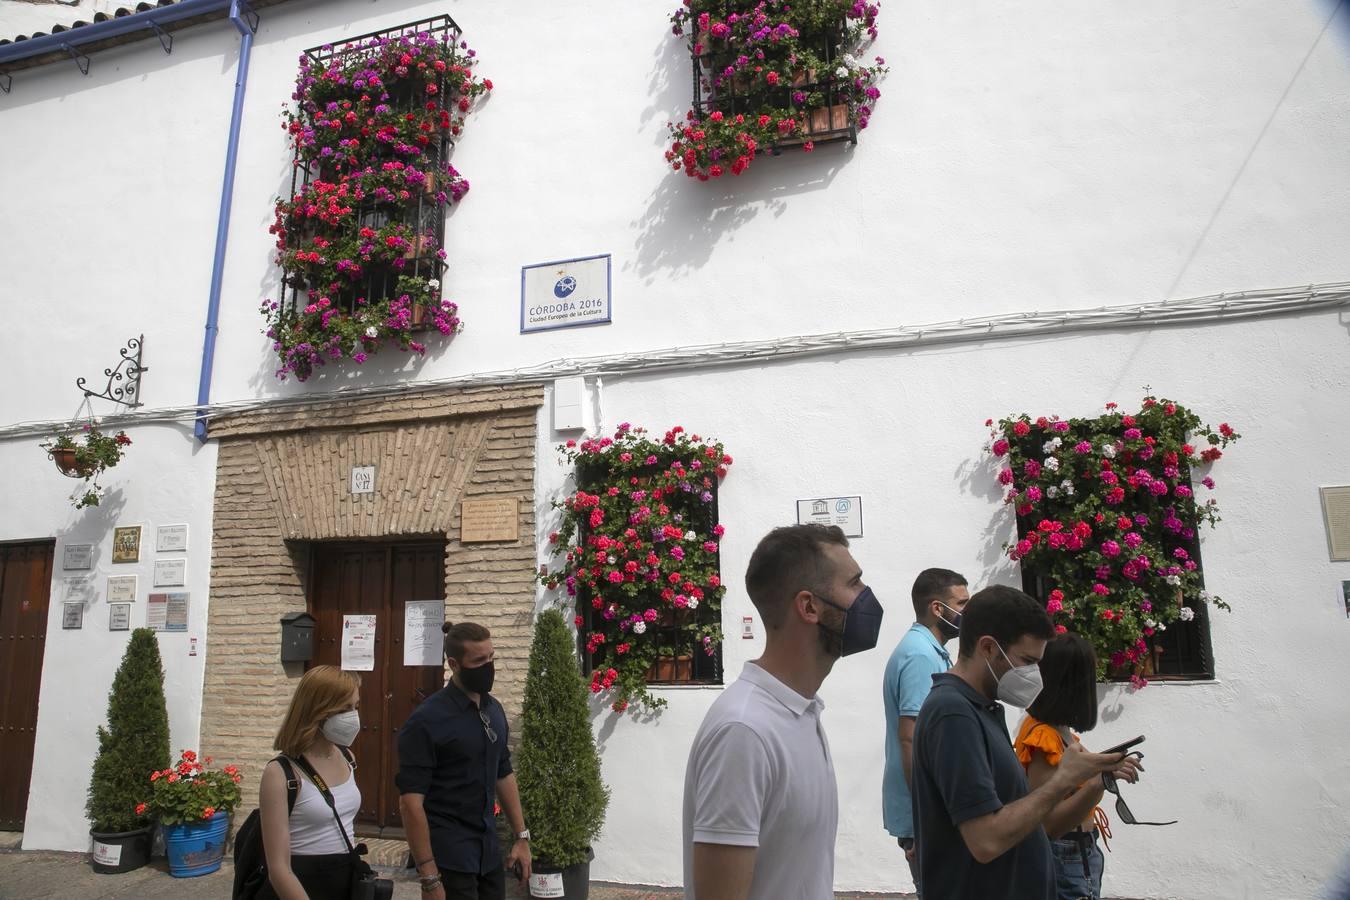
x,y
65,461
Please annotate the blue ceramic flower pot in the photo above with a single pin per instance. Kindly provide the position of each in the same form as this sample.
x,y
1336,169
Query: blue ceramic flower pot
x,y
196,848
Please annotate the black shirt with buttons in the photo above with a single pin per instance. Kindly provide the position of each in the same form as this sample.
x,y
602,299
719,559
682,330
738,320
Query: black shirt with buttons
x,y
445,753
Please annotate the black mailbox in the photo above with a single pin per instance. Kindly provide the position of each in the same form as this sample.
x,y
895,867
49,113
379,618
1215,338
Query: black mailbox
x,y
297,637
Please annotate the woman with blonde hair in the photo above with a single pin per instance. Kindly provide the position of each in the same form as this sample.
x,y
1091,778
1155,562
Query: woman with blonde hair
x,y
307,853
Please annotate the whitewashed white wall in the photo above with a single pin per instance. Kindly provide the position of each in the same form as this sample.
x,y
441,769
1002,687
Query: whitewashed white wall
x,y
1066,155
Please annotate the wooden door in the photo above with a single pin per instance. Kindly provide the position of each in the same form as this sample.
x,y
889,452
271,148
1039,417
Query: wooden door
x,y
25,579
377,579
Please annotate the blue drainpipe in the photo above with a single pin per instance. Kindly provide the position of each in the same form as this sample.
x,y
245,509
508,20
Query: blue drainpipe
x,y
246,30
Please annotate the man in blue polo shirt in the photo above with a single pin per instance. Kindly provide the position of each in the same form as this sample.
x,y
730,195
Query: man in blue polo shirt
x,y
939,595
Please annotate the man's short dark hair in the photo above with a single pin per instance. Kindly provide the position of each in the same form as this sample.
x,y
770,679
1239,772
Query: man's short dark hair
x,y
934,584
1069,675
461,633
789,559
1005,614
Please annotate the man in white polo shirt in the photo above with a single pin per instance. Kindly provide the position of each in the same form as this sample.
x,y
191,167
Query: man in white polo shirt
x,y
760,803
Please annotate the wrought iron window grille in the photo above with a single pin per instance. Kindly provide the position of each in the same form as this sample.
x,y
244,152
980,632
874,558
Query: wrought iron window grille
x,y
425,216
732,95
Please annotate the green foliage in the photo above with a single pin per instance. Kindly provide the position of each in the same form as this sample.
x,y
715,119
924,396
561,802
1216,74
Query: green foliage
x,y
135,741
87,456
557,765
190,792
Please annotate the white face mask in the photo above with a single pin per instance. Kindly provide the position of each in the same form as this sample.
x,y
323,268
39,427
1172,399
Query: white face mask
x,y
1020,685
342,728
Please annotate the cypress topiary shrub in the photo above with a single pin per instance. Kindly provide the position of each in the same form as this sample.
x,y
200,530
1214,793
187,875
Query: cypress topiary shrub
x,y
557,765
135,741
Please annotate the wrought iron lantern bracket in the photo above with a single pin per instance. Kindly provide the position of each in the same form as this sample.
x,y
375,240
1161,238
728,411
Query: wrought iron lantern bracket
x,y
128,370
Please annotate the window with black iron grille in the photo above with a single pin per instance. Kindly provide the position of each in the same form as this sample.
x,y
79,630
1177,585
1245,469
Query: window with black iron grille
x,y
424,211
1182,652
688,661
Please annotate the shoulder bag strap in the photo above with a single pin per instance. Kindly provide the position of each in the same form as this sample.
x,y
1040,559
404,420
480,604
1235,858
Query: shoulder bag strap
x,y
328,798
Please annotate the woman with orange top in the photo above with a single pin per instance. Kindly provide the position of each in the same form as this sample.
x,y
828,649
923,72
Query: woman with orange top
x,y
1067,701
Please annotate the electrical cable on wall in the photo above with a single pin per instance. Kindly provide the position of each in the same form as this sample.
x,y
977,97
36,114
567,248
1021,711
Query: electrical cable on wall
x,y
1214,308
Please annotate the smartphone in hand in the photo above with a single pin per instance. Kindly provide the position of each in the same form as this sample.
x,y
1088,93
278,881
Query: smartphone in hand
x,y
1121,748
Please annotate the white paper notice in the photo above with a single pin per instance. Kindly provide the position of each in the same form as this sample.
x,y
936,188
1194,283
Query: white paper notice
x,y
156,611
358,643
422,632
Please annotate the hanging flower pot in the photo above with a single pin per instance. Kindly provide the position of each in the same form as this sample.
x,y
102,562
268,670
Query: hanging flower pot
x,y
86,456
66,461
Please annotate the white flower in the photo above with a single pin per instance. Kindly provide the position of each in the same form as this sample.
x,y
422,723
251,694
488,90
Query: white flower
x,y
693,603
841,72
849,60
1052,492
433,283
690,536
1173,580
610,559
1068,487
1187,614
1149,623
1052,464
1109,451
1161,627
1052,445
372,332
639,627
1206,596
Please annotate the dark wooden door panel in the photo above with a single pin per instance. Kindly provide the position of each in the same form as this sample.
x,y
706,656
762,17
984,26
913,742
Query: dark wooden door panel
x,y
25,580
377,579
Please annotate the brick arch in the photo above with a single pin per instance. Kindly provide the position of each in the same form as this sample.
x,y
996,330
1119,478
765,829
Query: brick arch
x,y
282,480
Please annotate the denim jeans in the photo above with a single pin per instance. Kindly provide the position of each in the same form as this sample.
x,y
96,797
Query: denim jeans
x,y
1071,882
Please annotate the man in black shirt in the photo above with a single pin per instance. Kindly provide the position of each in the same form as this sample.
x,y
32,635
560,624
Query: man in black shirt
x,y
453,765
979,832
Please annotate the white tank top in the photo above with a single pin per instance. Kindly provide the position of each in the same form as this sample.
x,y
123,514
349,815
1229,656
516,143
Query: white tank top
x,y
314,830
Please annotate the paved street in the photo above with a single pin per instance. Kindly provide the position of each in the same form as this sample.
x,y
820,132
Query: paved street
x,y
37,875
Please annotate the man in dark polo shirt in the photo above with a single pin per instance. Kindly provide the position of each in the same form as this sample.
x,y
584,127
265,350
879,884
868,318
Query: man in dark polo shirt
x,y
980,834
453,765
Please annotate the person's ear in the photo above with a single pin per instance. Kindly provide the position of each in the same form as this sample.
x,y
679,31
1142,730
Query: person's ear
x,y
805,606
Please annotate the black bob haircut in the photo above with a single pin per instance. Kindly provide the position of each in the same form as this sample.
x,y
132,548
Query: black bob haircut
x,y
1005,614
1069,673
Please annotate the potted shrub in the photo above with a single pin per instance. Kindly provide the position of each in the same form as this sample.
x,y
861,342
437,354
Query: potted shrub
x,y
193,804
134,743
557,765
87,455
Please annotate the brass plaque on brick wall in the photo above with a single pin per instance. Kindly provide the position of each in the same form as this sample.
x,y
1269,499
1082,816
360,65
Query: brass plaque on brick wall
x,y
1336,511
489,520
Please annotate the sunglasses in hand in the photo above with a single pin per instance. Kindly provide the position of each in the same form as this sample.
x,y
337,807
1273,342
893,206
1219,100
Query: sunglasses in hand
x,y
1123,810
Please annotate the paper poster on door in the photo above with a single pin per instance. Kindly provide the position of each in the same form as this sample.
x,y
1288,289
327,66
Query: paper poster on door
x,y
358,643
422,635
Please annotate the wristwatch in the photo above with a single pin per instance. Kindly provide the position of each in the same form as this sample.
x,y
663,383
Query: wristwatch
x,y
524,835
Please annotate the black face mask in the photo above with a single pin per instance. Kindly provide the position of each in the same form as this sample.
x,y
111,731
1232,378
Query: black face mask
x,y
862,623
950,627
477,680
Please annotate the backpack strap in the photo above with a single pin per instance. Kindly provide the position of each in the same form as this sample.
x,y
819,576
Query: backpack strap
x,y
292,783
